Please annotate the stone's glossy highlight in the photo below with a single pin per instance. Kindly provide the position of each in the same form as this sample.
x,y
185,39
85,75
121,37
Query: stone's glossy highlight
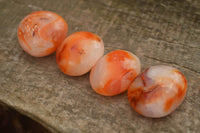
x,y
40,33
114,72
157,91
79,52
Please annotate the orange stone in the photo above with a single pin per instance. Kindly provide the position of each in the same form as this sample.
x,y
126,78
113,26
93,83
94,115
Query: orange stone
x,y
114,72
41,32
79,52
157,91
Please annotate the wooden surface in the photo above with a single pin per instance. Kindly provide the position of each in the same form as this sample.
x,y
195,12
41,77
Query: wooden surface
x,y
158,32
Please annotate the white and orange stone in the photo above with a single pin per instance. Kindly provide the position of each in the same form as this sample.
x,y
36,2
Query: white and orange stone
x,y
114,72
79,52
41,32
157,91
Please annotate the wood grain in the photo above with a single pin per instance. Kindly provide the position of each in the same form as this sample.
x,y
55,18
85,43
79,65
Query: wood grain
x,y
158,32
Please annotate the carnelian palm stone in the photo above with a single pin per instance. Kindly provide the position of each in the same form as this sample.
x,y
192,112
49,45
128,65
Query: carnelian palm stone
x,y
41,32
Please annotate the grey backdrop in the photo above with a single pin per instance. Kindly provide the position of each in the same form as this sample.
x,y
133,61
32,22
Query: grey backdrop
x,y
158,32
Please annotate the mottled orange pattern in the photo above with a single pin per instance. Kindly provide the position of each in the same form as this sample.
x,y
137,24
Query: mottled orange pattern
x,y
41,32
153,95
119,73
76,49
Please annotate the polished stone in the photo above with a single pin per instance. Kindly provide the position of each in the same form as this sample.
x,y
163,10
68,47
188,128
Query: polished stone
x,y
162,32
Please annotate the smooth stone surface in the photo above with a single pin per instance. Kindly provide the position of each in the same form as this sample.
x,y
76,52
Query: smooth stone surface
x,y
162,32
